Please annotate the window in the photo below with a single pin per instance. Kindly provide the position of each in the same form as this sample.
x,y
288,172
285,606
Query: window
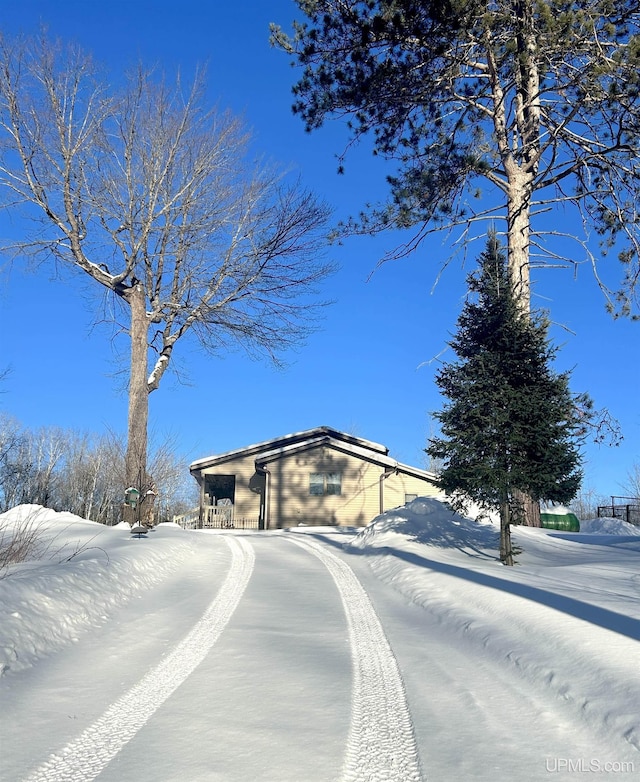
x,y
410,498
325,483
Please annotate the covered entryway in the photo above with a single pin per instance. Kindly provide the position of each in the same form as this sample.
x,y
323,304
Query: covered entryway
x,y
219,501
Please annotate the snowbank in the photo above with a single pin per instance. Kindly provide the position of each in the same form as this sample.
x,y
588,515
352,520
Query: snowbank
x,y
608,526
566,618
78,572
432,522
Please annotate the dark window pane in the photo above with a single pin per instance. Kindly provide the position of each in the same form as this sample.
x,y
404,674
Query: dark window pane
x,y
334,483
316,483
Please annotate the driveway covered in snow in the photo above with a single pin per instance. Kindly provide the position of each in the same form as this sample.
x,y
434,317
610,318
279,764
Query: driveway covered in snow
x,y
292,656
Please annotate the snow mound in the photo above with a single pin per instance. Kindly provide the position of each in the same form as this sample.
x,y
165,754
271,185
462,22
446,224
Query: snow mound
x,y
74,578
37,514
430,521
608,526
427,521
556,510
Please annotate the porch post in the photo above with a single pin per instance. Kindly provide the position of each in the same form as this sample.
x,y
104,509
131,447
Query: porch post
x,y
201,508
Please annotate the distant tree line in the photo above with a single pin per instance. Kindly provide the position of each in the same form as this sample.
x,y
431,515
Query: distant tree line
x,y
83,473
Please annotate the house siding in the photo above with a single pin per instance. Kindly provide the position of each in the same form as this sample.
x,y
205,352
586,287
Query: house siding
x,y
291,503
397,486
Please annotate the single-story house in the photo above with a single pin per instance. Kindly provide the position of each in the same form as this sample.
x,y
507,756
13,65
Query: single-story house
x,y
317,477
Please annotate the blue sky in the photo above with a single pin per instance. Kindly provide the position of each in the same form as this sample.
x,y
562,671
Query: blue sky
x,y
369,370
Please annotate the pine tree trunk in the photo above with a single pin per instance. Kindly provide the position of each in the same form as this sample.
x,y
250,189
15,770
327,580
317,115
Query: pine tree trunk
x,y
519,229
530,509
506,552
136,455
518,236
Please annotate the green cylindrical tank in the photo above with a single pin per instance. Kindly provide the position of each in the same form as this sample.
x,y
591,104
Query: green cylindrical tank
x,y
567,521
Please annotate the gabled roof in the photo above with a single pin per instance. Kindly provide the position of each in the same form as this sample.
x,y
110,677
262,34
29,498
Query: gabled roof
x,y
304,438
353,450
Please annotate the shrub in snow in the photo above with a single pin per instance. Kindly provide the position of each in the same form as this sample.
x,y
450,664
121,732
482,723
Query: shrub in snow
x,y
21,536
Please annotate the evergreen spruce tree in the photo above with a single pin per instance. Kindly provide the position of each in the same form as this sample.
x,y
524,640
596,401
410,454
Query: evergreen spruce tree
x,y
511,424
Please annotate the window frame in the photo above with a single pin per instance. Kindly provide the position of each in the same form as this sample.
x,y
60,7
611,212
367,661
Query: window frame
x,y
325,484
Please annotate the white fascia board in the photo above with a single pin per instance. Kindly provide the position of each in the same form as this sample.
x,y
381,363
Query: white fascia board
x,y
335,444
277,443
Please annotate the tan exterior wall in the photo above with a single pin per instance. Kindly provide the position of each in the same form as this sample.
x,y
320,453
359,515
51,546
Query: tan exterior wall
x,y
397,486
292,504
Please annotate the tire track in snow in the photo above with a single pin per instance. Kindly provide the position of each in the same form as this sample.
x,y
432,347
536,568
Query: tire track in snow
x,y
84,758
381,746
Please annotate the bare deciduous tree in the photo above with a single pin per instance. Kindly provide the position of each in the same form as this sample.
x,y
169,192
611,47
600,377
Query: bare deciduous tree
x,y
156,198
632,485
585,504
11,445
29,463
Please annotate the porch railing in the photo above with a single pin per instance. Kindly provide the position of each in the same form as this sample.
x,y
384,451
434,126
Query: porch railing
x,y
216,517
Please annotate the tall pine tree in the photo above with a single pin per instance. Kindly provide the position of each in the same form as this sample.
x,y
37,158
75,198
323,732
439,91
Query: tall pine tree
x,y
487,111
511,424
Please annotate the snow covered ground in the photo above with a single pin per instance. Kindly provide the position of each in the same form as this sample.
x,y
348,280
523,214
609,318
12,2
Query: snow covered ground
x,y
400,652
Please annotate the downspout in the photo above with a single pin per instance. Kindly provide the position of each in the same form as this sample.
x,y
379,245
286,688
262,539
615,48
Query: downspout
x,y
383,478
267,493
